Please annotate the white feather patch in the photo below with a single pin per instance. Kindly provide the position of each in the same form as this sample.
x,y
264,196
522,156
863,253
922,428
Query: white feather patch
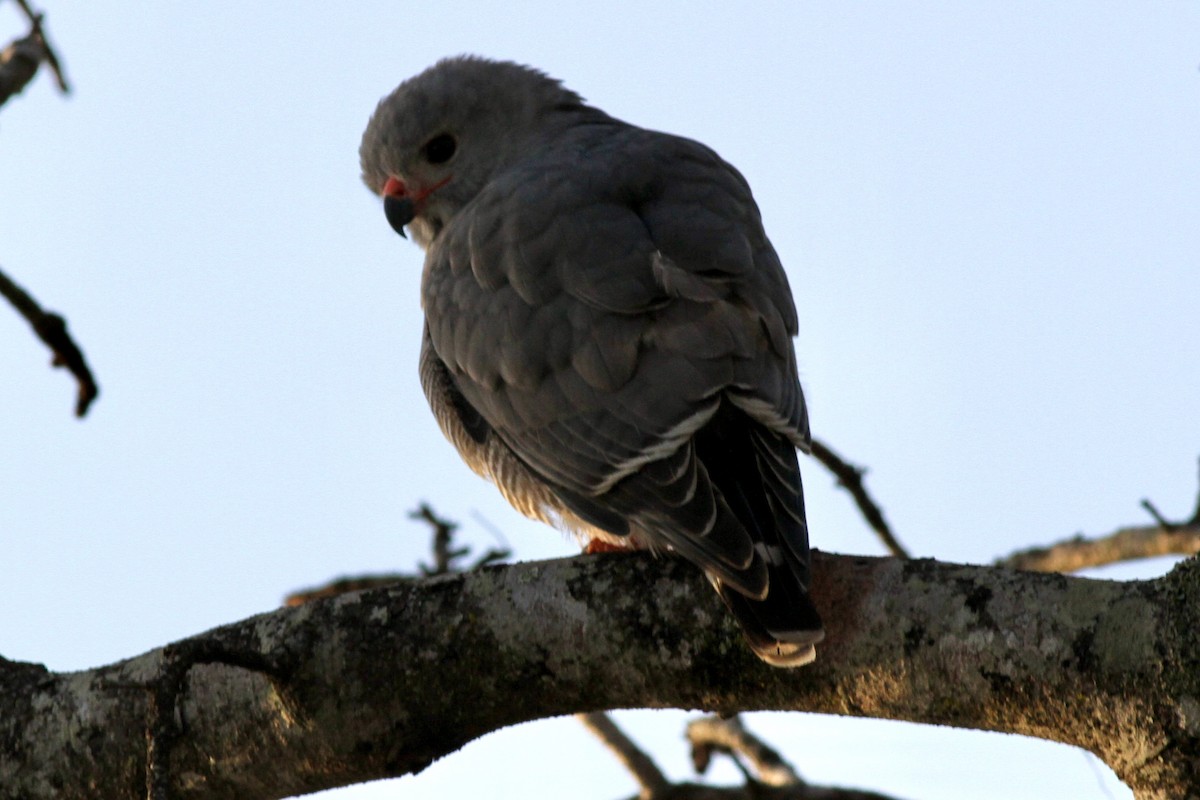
x,y
671,441
768,416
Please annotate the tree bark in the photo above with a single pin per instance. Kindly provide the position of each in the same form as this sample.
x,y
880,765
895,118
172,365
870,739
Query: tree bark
x,y
379,683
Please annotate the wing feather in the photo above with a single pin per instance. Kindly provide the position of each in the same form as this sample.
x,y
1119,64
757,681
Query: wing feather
x,y
597,307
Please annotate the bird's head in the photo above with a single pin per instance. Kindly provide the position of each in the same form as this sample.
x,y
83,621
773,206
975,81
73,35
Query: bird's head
x,y
441,136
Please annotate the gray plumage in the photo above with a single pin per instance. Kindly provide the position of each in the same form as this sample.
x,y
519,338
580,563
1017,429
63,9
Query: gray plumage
x,y
608,329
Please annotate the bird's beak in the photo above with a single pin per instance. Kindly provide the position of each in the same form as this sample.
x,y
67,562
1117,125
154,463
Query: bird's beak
x,y
398,206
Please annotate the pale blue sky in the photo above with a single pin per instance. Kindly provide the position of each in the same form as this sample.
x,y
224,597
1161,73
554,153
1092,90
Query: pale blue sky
x,y
988,213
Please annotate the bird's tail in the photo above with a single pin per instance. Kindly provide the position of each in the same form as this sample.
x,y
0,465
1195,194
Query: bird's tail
x,y
784,627
756,472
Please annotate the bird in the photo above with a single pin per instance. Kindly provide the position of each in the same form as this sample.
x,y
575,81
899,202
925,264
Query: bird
x,y
608,330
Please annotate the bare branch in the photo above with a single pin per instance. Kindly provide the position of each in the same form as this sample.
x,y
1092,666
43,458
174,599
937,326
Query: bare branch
x,y
649,777
1127,544
37,29
714,734
384,682
443,533
52,329
444,558
772,777
1193,521
851,478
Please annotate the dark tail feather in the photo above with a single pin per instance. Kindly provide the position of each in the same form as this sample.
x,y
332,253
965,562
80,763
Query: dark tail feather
x,y
782,629
756,472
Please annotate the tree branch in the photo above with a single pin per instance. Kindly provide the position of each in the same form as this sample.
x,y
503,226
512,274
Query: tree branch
x,y
445,560
44,52
1166,538
19,61
773,777
643,769
52,329
383,682
851,479
729,736
1126,544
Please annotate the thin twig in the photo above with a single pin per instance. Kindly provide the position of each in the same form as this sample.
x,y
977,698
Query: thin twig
x,y
641,766
851,478
775,780
714,734
443,533
38,29
1193,521
492,555
1153,511
446,560
52,329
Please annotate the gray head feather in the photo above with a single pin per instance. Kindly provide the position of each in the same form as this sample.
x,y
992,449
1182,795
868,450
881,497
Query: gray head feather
x,y
493,109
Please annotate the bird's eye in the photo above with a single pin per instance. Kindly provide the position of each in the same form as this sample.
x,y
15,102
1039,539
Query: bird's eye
x,y
439,149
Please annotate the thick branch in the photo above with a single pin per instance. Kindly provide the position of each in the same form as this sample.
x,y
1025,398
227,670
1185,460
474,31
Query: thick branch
x,y
380,683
